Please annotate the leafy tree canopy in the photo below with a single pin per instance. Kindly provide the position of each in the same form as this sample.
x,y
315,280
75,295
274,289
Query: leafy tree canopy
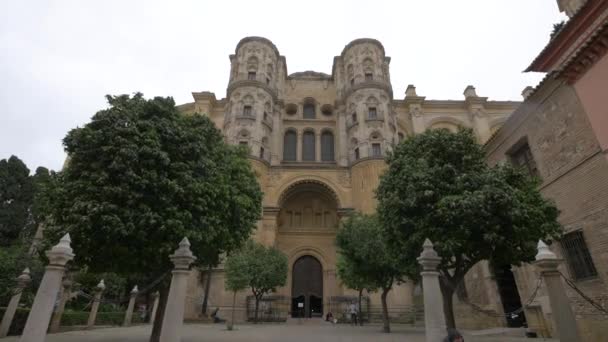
x,y
366,261
438,186
261,268
16,196
140,177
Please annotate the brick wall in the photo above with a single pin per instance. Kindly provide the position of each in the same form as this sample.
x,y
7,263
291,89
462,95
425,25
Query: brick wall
x,y
575,175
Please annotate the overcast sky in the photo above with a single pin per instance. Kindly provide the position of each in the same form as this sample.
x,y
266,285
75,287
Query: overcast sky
x,y
59,58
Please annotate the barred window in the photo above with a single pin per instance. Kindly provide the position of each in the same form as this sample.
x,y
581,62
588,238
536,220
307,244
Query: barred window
x,y
356,153
354,117
289,146
578,256
261,153
251,76
376,150
308,146
247,111
522,157
372,113
369,77
327,146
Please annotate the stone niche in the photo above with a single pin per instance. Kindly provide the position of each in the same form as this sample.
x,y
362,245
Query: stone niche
x,y
308,207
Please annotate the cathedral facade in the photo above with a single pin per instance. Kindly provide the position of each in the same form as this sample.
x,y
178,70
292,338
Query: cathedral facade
x,y
317,145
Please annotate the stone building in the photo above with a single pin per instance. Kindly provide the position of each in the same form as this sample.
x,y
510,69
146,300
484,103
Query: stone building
x,y
560,134
317,144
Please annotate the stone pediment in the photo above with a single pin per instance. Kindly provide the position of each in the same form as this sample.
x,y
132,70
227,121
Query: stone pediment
x,y
309,74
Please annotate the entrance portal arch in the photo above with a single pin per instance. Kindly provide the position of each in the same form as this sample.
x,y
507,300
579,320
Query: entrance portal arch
x,y
307,287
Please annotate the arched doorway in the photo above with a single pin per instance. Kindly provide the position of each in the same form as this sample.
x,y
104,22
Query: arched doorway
x,y
307,288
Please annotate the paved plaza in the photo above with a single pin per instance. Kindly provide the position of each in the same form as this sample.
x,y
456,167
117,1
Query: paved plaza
x,y
265,332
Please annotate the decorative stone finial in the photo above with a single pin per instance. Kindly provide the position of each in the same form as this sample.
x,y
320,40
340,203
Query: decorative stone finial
x,y
24,279
429,259
410,91
101,286
61,253
135,290
183,257
469,91
527,92
544,252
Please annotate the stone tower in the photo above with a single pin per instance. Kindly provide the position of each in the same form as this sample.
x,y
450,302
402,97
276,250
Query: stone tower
x,y
253,109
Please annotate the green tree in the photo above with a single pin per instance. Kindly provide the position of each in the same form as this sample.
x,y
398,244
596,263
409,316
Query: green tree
x,y
349,277
368,261
140,177
265,269
438,186
16,196
237,279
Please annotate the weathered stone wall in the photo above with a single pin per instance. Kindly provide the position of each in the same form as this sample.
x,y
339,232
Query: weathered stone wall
x,y
575,175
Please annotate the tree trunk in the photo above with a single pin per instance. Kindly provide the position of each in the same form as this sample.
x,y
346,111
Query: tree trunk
x,y
207,285
163,291
385,319
360,311
447,292
257,303
231,323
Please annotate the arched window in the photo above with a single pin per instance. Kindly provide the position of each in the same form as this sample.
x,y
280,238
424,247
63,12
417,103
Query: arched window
x,y
308,146
289,146
309,111
327,146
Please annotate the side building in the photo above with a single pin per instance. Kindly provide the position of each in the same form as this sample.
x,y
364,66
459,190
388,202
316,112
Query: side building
x,y
317,144
559,134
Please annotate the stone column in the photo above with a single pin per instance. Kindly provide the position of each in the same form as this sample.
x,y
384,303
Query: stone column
x,y
318,146
155,296
299,145
40,314
22,282
65,297
174,312
434,320
95,306
565,323
130,307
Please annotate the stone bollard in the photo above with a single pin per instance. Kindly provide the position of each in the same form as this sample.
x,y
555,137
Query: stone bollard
x,y
129,313
565,323
95,306
174,312
65,297
42,308
434,320
156,297
22,282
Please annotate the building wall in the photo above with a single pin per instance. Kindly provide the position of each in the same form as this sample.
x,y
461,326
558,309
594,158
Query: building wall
x,y
591,89
360,80
574,174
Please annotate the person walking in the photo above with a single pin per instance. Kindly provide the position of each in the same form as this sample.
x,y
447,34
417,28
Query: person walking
x,y
453,336
353,313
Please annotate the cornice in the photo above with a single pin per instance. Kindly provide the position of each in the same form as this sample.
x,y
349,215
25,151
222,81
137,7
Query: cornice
x,y
363,41
251,83
366,159
257,39
571,37
367,85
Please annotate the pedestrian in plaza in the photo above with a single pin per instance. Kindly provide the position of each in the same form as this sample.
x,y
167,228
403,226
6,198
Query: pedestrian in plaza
x,y
453,336
353,313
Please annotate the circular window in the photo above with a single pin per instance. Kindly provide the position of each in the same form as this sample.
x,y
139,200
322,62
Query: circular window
x,y
327,110
291,109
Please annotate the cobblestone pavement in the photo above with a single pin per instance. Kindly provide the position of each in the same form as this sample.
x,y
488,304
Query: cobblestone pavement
x,y
263,332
